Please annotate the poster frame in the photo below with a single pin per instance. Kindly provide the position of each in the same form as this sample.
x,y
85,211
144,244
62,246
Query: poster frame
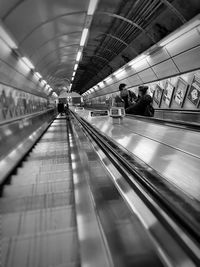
x,y
195,77
158,101
186,86
165,96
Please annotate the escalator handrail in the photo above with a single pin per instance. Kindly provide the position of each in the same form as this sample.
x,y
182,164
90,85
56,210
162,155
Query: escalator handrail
x,y
179,218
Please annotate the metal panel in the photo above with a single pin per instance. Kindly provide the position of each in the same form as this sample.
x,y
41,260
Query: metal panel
x,y
165,69
158,56
188,61
183,43
134,80
130,71
141,65
147,75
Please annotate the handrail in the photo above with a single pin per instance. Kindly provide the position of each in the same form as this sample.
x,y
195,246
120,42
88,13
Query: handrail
x,y
178,110
158,188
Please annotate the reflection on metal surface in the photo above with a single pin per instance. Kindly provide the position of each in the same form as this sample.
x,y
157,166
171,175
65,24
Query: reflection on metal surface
x,y
105,127
164,240
160,146
146,150
7,132
125,141
89,232
178,167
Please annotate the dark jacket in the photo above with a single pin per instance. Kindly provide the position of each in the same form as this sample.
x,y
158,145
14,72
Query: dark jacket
x,y
126,97
60,107
140,106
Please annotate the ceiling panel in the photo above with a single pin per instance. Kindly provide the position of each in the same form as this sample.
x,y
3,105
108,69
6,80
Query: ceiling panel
x,y
48,32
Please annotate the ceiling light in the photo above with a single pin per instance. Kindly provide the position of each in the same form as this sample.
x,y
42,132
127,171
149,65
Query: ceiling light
x,y
108,79
73,74
78,55
43,83
101,84
5,36
38,75
131,63
75,66
83,37
119,73
54,94
92,7
28,62
72,78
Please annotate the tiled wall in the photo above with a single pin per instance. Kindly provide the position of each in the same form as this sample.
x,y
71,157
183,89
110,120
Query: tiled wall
x,y
15,103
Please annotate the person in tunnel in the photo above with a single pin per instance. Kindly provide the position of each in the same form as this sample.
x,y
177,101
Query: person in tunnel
x,y
61,108
126,97
143,105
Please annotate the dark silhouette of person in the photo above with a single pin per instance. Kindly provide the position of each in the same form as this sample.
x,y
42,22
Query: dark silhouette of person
x,y
61,108
126,97
142,104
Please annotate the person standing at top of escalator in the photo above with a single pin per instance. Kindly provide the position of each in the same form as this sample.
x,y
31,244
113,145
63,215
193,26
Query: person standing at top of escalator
x,y
61,108
143,105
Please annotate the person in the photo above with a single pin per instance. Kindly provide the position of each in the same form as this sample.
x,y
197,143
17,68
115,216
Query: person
x,y
61,108
125,97
143,105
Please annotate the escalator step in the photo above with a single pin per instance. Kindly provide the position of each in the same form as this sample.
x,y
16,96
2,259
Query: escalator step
x,y
32,222
8,205
43,249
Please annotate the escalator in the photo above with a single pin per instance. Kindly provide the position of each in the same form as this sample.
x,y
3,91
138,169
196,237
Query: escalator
x,y
38,215
69,204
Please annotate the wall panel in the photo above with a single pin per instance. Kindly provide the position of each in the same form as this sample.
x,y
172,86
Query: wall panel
x,y
165,69
189,60
184,43
158,56
147,75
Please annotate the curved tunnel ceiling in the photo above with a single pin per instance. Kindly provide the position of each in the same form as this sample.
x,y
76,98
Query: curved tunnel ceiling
x,y
48,32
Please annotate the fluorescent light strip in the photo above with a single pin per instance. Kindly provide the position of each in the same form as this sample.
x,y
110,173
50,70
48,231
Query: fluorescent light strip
x,y
73,74
78,55
38,75
120,73
131,63
72,78
43,82
5,36
28,62
92,7
75,66
84,37
108,79
54,94
100,84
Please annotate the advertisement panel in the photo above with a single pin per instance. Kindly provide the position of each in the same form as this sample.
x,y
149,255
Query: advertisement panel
x,y
180,92
194,91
